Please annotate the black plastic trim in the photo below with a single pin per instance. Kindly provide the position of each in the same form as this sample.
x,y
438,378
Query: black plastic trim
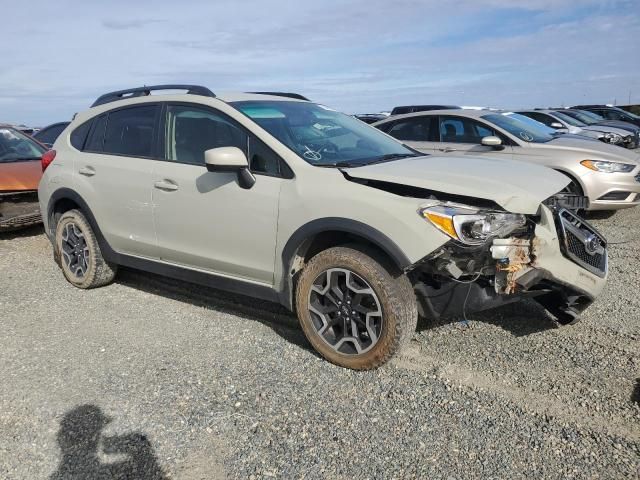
x,y
345,225
145,91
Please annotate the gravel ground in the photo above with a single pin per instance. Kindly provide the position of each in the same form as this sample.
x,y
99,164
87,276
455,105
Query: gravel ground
x,y
152,378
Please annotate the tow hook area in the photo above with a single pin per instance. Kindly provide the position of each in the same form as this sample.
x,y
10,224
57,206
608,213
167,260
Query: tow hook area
x,y
513,260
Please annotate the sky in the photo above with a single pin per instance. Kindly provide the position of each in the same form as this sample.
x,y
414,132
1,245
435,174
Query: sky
x,y
358,56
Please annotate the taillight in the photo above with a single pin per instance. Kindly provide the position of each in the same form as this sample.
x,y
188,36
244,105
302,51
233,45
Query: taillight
x,y
47,158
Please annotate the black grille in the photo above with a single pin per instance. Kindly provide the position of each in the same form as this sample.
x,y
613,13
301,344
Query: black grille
x,y
598,261
582,243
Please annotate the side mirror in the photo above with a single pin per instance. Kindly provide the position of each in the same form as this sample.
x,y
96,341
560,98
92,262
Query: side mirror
x,y
230,159
492,141
556,125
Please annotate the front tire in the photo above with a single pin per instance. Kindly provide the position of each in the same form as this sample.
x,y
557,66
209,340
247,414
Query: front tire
x,y
353,311
80,257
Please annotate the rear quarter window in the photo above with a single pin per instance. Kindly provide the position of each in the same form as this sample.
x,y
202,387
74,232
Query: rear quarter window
x,y
79,135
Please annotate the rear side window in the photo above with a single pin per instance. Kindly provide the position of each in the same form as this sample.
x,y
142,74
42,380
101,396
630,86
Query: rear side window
x,y
412,129
79,135
51,134
131,131
96,135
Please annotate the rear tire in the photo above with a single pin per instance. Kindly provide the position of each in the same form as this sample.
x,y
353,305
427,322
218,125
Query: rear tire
x,y
79,254
353,311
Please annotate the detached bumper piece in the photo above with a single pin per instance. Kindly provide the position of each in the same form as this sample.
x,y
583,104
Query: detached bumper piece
x,y
19,210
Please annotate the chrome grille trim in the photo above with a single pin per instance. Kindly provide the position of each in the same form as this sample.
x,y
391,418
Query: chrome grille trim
x,y
582,243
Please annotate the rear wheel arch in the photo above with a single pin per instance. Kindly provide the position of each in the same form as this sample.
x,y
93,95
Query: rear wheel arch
x,y
65,199
322,234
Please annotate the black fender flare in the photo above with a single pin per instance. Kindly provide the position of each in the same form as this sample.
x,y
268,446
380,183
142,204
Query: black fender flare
x,y
68,194
344,225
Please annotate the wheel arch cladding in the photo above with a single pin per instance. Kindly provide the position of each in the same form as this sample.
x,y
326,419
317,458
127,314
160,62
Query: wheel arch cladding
x,y
323,233
65,199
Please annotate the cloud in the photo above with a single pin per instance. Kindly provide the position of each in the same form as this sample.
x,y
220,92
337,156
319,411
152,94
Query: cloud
x,y
357,56
127,24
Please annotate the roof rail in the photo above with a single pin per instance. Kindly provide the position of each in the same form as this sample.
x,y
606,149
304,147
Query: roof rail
x,y
284,94
144,91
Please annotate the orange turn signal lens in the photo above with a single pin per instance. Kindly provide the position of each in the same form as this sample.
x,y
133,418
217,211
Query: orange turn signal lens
x,y
443,223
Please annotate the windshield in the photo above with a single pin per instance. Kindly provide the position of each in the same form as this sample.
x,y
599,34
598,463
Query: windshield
x,y
522,127
321,136
587,118
570,120
15,146
626,114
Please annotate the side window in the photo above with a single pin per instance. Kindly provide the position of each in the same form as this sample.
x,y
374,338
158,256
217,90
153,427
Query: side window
x,y
542,118
96,136
190,131
412,129
462,130
613,115
51,134
131,131
79,135
264,160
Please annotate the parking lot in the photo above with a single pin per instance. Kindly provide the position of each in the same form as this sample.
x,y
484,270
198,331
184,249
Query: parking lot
x,y
199,384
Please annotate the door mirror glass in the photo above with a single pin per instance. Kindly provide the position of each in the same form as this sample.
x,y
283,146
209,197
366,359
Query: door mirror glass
x,y
225,159
556,125
491,141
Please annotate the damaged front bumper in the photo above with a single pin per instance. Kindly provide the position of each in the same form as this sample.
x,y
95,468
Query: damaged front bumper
x,y
18,210
561,263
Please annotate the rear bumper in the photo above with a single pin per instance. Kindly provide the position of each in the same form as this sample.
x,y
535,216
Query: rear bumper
x,y
18,210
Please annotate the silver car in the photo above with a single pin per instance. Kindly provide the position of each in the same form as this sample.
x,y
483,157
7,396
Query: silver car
x,y
608,175
561,122
286,200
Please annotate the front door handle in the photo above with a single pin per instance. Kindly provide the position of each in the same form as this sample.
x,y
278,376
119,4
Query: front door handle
x,y
87,171
448,150
166,185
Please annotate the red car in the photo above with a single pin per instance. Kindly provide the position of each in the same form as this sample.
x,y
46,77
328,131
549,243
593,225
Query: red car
x,y
20,172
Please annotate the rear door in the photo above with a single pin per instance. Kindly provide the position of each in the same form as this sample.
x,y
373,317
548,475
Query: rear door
x,y
113,175
463,136
417,132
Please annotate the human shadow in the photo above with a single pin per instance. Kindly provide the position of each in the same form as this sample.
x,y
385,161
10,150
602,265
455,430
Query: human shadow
x,y
83,443
273,315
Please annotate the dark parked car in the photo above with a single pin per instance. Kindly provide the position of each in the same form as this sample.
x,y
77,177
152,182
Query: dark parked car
x,y
611,113
370,117
48,135
594,119
421,108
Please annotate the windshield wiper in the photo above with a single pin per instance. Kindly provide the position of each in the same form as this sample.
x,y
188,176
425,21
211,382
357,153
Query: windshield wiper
x,y
392,156
361,163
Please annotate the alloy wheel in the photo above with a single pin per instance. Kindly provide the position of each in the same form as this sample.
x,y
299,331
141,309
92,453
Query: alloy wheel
x,y
75,251
345,311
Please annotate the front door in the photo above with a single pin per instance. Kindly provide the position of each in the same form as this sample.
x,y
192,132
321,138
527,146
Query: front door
x,y
205,220
463,136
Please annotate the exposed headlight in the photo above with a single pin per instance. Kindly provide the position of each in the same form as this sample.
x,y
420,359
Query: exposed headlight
x,y
472,226
613,138
608,167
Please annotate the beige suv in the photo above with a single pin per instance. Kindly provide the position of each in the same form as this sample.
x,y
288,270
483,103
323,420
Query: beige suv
x,y
283,199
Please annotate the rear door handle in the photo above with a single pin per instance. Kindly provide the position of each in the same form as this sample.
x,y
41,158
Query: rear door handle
x,y
166,185
87,171
448,150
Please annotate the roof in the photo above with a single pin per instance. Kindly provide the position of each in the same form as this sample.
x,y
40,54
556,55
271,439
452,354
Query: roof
x,y
459,112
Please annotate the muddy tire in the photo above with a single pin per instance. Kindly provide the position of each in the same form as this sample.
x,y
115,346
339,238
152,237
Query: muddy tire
x,y
78,252
355,312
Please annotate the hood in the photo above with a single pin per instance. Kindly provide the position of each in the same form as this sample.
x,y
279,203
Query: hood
x,y
629,127
517,187
607,129
590,149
